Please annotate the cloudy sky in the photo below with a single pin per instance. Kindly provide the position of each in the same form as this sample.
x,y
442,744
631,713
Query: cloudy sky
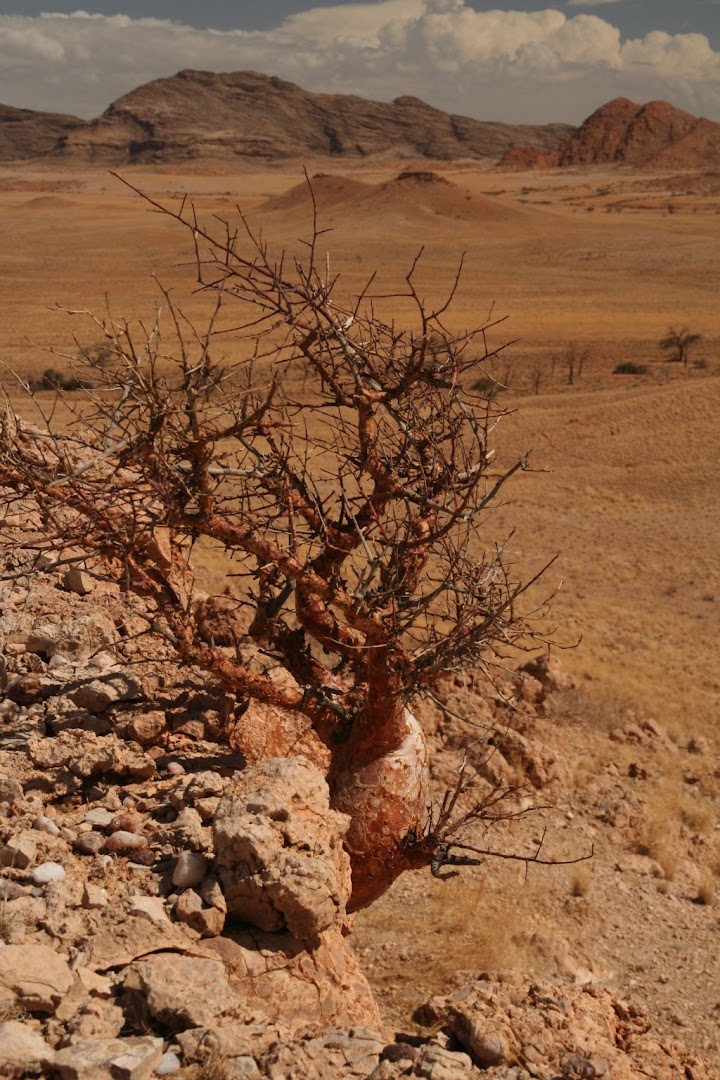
x,y
524,61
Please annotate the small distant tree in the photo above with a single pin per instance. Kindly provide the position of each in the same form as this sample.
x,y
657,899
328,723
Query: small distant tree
x,y
575,359
678,344
344,470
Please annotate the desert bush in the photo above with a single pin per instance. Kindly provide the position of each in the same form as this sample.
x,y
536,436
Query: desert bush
x,y
707,889
678,343
347,476
52,379
581,882
629,367
488,388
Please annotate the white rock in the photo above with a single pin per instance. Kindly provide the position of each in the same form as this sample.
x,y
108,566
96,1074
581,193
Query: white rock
x,y
150,907
102,661
59,661
169,1063
99,817
48,871
46,825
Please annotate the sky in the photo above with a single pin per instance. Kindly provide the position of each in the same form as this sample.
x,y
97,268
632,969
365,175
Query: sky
x,y
519,62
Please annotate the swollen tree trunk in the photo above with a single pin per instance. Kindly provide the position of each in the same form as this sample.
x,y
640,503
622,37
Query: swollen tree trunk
x,y
385,793
380,778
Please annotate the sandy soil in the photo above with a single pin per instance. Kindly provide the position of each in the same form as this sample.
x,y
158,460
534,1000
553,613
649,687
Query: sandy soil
x,y
627,492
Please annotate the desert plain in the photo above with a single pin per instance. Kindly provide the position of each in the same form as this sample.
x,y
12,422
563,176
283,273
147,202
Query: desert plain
x,y
579,271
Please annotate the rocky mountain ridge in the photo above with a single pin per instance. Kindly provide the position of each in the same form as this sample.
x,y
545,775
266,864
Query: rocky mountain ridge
x,y
246,115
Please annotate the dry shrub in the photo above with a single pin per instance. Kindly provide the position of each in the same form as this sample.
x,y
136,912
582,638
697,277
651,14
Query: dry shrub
x,y
698,816
658,833
214,1066
707,888
581,881
599,708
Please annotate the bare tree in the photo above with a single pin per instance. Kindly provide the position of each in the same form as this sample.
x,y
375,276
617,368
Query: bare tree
x,y
574,362
678,344
346,473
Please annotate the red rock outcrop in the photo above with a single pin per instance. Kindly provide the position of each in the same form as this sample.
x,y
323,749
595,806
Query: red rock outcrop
x,y
655,135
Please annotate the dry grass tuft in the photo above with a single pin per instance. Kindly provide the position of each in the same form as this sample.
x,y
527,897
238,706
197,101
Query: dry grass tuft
x,y
707,889
581,881
214,1066
9,921
10,1010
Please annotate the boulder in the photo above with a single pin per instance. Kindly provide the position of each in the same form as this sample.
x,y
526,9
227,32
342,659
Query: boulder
x,y
22,1051
279,852
35,976
185,991
110,1059
75,638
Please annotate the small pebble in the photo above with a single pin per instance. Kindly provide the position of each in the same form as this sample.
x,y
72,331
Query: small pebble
x,y
59,660
99,817
48,871
102,660
46,825
169,1063
122,841
190,869
10,890
94,897
124,821
174,768
90,843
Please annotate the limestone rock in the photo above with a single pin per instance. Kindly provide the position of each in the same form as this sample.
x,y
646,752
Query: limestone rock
x,y
97,695
185,992
353,1053
78,581
300,986
36,976
118,937
22,1051
85,755
279,852
76,638
110,1059
19,851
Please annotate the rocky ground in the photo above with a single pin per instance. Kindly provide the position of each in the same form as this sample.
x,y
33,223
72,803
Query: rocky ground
x,y
166,909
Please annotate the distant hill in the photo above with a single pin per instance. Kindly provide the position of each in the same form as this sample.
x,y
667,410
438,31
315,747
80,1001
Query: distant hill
x,y
654,135
200,114
28,134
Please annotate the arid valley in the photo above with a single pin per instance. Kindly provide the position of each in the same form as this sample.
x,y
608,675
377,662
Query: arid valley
x,y
582,271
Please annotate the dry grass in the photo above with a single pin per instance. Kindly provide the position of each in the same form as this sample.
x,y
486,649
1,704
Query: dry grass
x,y
214,1066
582,880
707,888
9,921
10,1010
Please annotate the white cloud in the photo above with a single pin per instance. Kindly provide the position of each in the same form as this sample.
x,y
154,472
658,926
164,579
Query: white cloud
x,y
502,65
590,3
